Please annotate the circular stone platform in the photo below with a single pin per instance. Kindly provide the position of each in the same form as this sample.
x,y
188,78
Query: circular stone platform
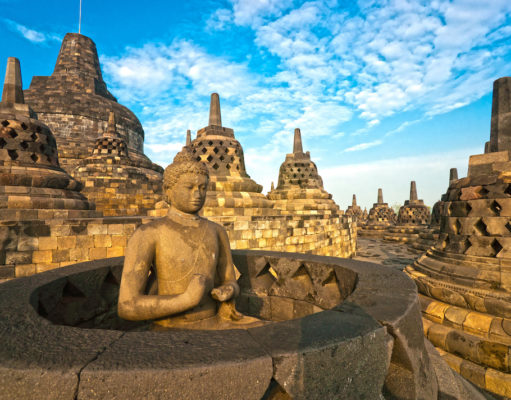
x,y
340,322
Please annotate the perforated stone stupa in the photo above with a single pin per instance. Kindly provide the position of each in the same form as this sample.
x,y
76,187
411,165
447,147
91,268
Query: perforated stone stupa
x,y
300,188
355,211
116,183
465,280
380,217
231,191
33,186
75,103
413,218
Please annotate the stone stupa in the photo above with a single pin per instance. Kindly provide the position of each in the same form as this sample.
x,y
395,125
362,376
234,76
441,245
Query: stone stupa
x,y
231,191
465,280
300,188
413,218
32,184
75,103
118,184
380,218
355,211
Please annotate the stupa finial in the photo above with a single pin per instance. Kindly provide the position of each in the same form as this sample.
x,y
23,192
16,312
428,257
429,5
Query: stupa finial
x,y
188,137
13,88
453,174
215,116
297,144
354,201
413,191
380,196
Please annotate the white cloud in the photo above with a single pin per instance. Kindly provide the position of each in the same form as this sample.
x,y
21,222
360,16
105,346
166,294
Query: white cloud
x,y
364,146
31,34
219,20
253,12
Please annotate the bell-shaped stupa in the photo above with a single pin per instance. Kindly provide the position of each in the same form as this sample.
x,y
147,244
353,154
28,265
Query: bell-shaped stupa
x,y
32,184
465,280
355,211
414,212
75,103
300,188
117,184
231,191
380,218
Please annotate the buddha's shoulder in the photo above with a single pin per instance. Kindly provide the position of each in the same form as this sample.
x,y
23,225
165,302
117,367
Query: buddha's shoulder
x,y
212,225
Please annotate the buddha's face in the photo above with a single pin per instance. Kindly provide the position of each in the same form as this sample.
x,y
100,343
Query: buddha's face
x,y
189,193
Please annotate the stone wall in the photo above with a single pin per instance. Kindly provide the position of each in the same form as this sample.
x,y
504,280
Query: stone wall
x,y
30,247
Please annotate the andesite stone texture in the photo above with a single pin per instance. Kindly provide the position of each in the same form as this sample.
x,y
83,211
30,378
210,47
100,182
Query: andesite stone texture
x,y
75,103
412,219
30,174
231,191
300,188
500,135
465,280
355,211
366,342
380,218
118,184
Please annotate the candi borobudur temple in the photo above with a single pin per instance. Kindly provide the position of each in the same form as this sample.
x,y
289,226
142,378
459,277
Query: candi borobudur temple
x,y
76,184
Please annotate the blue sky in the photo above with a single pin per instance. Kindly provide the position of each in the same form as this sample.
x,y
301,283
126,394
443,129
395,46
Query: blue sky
x,y
384,91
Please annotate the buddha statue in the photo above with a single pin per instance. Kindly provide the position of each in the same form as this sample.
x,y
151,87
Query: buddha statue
x,y
178,270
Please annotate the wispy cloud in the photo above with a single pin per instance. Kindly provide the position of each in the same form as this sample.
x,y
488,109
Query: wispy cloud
x,y
32,35
364,146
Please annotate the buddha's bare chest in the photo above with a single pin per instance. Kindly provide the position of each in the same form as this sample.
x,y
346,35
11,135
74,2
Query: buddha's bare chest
x,y
181,252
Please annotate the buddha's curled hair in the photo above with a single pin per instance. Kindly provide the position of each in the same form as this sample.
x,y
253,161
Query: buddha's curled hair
x,y
184,162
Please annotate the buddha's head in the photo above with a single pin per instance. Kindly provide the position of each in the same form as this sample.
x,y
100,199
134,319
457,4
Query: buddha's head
x,y
185,182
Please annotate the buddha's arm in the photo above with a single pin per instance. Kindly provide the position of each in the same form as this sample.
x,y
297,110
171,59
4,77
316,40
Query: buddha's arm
x,y
133,304
225,269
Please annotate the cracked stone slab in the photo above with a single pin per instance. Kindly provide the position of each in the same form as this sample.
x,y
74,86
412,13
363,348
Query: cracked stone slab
x,y
179,364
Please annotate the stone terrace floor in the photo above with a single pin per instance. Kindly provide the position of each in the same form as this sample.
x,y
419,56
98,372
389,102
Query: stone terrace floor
x,y
392,254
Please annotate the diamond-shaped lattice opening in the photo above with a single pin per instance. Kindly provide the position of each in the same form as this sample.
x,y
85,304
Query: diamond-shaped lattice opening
x,y
12,133
203,150
294,175
466,245
299,169
483,191
232,159
222,158
302,275
268,270
194,151
210,157
508,190
13,154
38,129
210,142
457,227
228,166
34,157
33,136
495,207
71,290
5,122
216,150
468,208
480,228
24,145
221,143
215,166
198,158
496,246
23,126
238,167
200,144
2,143
508,226
226,150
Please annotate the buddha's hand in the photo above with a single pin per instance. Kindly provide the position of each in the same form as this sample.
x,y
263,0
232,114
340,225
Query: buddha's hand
x,y
196,288
223,293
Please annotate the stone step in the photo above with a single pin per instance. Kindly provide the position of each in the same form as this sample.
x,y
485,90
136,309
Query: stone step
x,y
484,352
